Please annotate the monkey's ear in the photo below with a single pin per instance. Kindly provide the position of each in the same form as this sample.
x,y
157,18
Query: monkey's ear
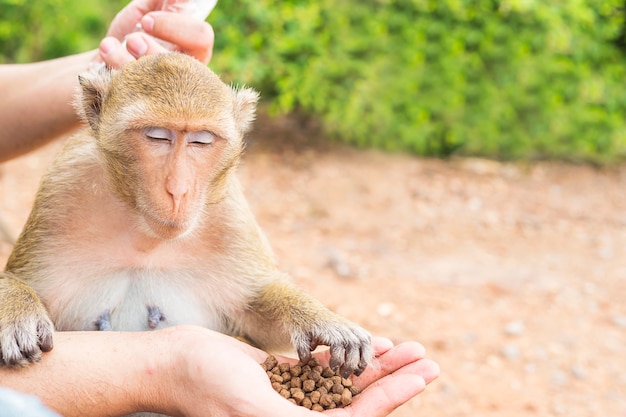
x,y
245,107
91,94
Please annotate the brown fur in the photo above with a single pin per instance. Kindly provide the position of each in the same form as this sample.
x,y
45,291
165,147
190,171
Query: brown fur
x,y
127,221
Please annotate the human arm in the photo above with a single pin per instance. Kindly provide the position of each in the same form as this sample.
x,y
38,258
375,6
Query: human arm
x,y
36,98
191,371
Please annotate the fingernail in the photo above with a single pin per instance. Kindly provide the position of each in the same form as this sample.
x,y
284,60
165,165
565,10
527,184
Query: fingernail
x,y
107,46
136,45
147,23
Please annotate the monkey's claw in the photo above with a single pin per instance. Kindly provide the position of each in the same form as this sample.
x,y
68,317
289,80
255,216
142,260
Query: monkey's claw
x,y
24,336
350,346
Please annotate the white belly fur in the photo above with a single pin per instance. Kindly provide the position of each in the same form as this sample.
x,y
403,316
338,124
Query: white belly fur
x,y
182,297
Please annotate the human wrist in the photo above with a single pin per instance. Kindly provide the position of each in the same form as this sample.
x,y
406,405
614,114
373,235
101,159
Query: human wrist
x,y
161,371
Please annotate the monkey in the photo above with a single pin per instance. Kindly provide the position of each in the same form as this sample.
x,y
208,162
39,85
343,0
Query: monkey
x,y
141,223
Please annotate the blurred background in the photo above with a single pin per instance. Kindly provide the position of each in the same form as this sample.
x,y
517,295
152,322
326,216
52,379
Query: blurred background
x,y
443,171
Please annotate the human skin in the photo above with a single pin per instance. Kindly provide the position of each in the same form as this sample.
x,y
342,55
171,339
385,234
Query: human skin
x,y
192,371
36,105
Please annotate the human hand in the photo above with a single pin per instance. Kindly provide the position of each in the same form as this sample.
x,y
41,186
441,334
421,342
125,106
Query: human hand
x,y
189,34
223,375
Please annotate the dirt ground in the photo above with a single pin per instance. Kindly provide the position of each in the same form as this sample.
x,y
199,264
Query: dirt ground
x,y
513,276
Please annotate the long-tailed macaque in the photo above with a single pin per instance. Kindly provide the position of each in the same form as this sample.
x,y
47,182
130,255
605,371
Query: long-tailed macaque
x,y
141,223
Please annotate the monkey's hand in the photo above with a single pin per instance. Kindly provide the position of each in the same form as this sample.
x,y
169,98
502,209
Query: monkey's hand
x,y
283,314
25,328
350,345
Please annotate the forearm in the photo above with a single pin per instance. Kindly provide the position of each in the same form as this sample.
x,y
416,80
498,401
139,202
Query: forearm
x,y
96,373
36,102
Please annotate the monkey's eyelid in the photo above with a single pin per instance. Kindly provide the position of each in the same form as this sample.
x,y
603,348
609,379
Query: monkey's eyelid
x,y
203,137
158,133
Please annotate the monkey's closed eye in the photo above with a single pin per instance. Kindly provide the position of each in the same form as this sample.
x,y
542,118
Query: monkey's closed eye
x,y
200,138
158,133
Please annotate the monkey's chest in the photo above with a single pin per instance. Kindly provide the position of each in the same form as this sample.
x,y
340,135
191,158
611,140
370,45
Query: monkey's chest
x,y
136,300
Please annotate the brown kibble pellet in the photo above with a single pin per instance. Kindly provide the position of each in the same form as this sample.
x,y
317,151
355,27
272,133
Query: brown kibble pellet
x,y
298,395
276,378
346,397
328,384
325,400
270,362
296,382
306,403
308,385
315,396
337,389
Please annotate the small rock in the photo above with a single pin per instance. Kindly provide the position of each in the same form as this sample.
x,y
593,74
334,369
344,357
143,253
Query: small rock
x,y
559,378
385,309
578,372
514,328
619,320
510,352
337,262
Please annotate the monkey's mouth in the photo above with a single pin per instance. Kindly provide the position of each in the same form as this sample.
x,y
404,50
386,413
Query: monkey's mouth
x,y
166,229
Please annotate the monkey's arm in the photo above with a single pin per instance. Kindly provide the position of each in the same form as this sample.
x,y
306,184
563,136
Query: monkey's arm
x,y
282,311
25,328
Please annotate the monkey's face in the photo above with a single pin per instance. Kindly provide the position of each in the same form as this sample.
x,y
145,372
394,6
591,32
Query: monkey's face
x,y
170,131
177,174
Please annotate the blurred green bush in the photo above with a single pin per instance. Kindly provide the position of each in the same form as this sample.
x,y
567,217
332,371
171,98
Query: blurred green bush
x,y
504,79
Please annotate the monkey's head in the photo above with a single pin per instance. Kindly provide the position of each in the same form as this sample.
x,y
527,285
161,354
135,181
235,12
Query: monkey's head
x,y
169,132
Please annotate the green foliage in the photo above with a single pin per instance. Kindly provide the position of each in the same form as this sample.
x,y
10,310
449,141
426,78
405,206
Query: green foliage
x,y
44,29
504,79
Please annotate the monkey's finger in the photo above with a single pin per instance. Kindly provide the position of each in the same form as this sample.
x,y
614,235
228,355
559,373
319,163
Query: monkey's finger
x,y
304,350
113,53
337,355
189,34
352,359
44,333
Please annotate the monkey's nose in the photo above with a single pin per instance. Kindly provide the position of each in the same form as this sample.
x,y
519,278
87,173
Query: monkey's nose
x,y
177,190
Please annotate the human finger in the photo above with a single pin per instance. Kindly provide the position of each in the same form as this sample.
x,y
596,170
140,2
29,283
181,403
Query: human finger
x,y
113,53
383,396
189,35
127,19
139,44
390,361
